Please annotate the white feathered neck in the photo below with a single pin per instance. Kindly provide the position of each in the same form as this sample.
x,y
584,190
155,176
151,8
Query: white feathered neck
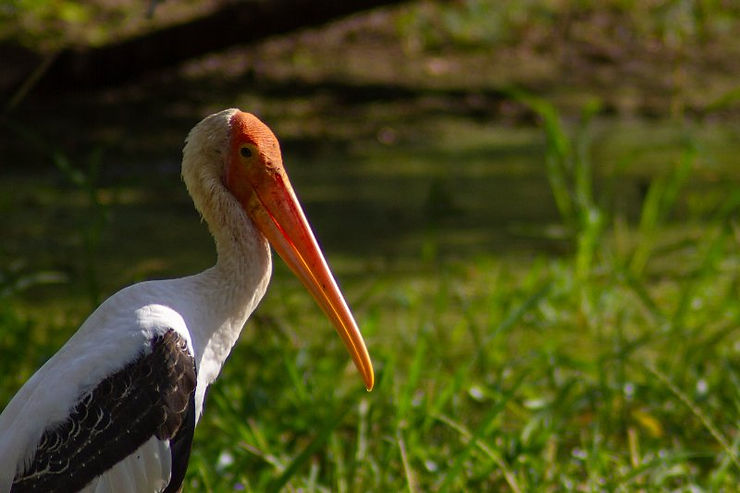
x,y
235,285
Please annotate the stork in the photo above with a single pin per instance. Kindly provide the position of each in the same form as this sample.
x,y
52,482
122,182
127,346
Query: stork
x,y
115,408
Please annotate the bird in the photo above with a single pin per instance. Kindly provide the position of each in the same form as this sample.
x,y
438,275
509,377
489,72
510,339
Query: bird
x,y
114,410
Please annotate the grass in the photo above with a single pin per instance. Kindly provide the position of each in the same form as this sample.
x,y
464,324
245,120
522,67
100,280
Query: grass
x,y
610,365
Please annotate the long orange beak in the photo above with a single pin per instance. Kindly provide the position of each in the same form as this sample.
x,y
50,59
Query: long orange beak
x,y
277,213
267,196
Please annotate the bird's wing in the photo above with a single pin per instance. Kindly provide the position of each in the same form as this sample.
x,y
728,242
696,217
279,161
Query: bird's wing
x,y
148,402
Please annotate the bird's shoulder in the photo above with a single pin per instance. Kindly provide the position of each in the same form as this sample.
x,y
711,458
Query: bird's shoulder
x,y
151,307
151,397
120,330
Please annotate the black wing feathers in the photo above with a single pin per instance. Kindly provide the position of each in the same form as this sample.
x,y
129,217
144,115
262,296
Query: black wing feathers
x,y
152,395
180,449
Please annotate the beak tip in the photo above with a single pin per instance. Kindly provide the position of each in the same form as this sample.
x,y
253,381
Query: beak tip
x,y
369,381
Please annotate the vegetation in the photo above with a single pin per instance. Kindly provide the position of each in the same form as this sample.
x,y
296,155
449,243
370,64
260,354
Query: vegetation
x,y
550,307
614,366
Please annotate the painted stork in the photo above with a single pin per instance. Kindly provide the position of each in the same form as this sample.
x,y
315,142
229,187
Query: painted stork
x,y
115,409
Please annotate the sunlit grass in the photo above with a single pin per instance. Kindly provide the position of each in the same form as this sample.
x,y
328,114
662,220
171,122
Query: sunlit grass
x,y
489,377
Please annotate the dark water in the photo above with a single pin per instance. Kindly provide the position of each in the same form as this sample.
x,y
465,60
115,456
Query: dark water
x,y
484,189
453,190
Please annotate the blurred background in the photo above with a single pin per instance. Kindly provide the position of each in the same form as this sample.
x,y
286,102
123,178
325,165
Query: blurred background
x,y
532,207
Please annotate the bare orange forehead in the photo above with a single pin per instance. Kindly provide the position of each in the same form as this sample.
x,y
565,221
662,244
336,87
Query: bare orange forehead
x,y
247,128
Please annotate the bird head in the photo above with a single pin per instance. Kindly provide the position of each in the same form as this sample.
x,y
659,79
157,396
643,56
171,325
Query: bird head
x,y
255,175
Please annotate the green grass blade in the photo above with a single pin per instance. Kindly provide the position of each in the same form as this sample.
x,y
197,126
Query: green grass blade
x,y
701,415
492,454
408,472
517,313
327,428
476,438
664,461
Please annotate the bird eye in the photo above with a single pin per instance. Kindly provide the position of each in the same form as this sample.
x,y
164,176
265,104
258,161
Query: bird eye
x,y
246,151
